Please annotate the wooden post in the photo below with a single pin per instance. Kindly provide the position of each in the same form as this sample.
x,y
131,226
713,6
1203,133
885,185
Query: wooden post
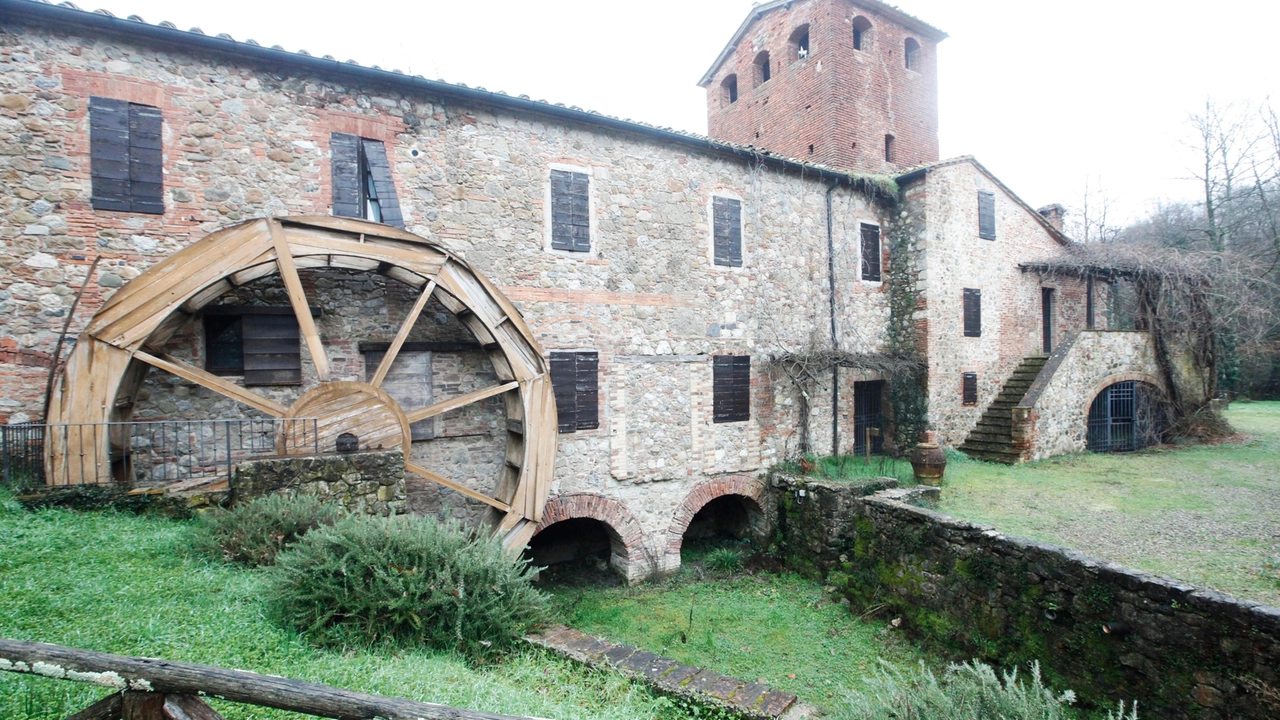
x,y
143,706
110,707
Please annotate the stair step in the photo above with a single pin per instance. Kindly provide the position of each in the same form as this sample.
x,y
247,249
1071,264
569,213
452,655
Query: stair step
x,y
1000,438
981,445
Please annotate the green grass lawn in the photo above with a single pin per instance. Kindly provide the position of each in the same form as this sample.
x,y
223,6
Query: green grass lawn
x,y
778,629
125,584
1208,515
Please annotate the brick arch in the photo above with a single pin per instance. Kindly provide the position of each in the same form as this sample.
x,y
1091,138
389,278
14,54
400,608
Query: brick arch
x,y
625,535
1114,378
748,487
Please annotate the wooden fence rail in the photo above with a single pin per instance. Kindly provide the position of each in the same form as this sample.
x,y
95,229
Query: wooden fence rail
x,y
153,689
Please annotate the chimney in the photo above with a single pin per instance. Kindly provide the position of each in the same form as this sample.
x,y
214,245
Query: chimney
x,y
1053,213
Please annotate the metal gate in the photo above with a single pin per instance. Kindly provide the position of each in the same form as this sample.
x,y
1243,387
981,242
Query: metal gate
x,y
1123,418
866,414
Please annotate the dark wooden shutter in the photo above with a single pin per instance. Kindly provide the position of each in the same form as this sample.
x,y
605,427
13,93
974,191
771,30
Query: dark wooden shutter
x,y
375,158
731,388
346,177
109,154
570,211
970,388
972,313
146,160
587,390
870,252
986,215
564,379
727,231
272,353
408,382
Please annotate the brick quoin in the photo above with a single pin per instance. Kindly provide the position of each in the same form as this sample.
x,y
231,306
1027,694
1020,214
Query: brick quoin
x,y
748,486
624,529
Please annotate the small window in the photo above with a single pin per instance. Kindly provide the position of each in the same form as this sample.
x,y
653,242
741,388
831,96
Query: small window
x,y
972,312
731,388
570,211
729,90
911,52
861,33
727,231
125,156
260,343
762,68
969,391
800,43
888,148
362,183
870,252
986,215
575,378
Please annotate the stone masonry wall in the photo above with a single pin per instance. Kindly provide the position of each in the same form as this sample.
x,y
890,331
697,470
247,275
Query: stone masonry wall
x,y
366,482
1180,650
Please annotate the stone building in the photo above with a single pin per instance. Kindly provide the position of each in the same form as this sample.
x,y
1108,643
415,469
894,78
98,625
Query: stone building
x,y
662,273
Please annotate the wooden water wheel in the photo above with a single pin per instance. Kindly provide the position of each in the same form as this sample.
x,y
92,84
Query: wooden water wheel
x,y
128,335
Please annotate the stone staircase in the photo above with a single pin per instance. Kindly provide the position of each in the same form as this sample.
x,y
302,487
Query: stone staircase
x,y
992,438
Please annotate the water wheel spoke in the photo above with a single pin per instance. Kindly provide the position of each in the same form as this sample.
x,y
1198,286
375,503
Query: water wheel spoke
x,y
460,401
442,480
298,299
170,364
410,320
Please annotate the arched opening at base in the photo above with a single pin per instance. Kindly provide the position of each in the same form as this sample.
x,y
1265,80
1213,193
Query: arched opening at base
x,y
723,533
1126,416
577,551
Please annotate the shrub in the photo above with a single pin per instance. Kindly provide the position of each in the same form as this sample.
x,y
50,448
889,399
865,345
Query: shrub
x,y
255,532
972,691
409,580
725,560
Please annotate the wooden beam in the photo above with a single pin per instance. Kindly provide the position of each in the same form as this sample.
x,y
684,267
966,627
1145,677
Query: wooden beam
x,y
419,470
188,707
298,299
390,357
110,707
171,364
143,705
179,678
459,401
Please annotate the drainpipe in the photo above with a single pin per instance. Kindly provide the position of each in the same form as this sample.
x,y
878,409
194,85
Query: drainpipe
x,y
835,342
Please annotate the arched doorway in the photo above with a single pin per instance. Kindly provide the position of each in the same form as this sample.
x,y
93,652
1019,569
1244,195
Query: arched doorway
x,y
576,551
1124,417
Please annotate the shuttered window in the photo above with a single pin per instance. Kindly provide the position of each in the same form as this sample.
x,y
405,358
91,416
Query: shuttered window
x,y
972,313
575,378
125,156
969,389
570,211
727,231
260,342
870,252
362,183
408,382
731,388
986,215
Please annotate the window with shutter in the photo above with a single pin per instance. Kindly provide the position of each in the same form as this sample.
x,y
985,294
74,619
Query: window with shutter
x,y
408,382
727,231
361,179
972,313
870,252
261,343
125,156
731,388
575,379
970,388
986,215
570,211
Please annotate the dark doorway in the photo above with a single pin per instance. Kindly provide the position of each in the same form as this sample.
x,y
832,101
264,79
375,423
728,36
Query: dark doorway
x,y
867,415
573,551
726,518
1124,417
1046,317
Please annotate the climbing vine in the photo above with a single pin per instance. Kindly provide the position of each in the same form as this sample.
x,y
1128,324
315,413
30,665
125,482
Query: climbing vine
x,y
908,388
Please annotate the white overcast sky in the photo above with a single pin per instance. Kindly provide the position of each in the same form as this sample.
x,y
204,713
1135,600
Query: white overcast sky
x,y
1045,94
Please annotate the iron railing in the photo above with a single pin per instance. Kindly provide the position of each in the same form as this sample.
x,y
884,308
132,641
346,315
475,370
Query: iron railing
x,y
156,452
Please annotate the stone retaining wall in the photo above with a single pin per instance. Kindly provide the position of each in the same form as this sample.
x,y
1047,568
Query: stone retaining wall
x,y
1182,651
364,482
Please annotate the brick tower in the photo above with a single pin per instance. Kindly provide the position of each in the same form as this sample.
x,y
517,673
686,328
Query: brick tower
x,y
852,84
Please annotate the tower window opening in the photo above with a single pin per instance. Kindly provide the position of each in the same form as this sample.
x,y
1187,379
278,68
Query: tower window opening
x,y
888,148
861,33
912,54
729,89
810,148
800,43
762,68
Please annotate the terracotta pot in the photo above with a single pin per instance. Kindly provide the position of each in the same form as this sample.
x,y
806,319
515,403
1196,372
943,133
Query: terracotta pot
x,y
929,463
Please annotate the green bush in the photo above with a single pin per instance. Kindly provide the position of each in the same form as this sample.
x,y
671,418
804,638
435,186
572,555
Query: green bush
x,y
255,532
972,691
725,559
409,580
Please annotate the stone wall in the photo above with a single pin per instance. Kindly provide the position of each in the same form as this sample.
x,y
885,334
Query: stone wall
x,y
1180,650
1052,418
364,482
